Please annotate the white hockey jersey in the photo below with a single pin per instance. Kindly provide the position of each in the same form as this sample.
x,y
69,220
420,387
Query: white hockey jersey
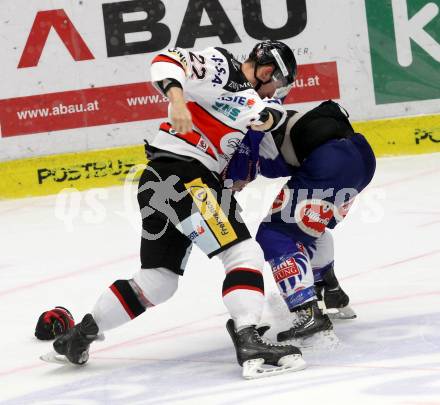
x,y
221,100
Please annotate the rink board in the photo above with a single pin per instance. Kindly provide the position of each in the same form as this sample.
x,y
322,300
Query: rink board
x,y
78,76
110,167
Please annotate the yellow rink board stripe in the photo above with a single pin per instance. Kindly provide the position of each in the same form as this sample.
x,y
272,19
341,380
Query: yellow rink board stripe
x,y
402,136
109,167
51,174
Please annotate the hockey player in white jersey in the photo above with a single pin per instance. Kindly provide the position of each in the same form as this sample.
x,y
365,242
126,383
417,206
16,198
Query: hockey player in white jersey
x,y
214,100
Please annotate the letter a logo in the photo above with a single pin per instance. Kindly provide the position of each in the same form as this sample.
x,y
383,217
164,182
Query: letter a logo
x,y
43,23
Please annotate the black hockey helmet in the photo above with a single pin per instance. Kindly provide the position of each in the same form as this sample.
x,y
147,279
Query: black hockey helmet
x,y
279,54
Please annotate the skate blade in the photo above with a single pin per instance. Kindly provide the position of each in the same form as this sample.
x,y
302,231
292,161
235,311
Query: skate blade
x,y
56,358
326,340
341,313
253,369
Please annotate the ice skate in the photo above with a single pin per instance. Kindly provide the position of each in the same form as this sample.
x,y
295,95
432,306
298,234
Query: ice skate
x,y
74,346
335,300
253,353
311,328
336,304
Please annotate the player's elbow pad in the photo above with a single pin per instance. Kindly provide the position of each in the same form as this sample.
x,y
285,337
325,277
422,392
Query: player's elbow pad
x,y
278,117
165,85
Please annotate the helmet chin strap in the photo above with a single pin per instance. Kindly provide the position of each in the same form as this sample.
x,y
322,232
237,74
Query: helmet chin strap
x,y
259,82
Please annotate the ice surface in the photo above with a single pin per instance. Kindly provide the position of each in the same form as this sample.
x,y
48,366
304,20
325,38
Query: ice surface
x,y
64,250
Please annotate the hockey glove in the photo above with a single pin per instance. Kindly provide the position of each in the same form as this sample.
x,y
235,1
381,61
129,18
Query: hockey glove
x,y
53,323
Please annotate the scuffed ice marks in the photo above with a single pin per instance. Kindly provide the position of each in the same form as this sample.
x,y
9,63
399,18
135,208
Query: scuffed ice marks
x,y
391,358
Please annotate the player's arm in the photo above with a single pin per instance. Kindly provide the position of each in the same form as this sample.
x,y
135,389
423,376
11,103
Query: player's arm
x,y
271,117
268,121
243,166
257,154
181,119
169,73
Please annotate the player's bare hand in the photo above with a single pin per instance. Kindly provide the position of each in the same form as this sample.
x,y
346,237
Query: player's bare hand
x,y
263,126
181,119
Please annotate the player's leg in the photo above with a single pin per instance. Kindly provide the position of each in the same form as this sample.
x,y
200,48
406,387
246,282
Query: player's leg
x,y
292,271
333,298
243,286
125,299
317,197
164,251
218,230
300,214
243,295
162,261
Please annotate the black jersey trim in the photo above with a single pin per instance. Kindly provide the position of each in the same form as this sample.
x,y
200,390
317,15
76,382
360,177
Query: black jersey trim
x,y
127,297
237,80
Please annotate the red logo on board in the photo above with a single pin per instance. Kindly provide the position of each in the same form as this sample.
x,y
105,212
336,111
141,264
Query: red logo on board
x,y
63,26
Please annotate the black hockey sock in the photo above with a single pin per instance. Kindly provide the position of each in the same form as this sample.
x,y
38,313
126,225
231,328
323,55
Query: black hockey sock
x,y
246,279
128,298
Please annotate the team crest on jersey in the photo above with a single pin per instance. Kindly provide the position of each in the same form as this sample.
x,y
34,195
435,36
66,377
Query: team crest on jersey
x,y
281,200
229,144
202,145
313,216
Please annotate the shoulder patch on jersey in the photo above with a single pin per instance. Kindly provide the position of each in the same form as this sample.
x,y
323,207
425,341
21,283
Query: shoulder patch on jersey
x,y
179,55
237,80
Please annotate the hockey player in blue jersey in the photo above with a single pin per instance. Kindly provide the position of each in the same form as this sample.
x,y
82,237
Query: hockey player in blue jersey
x,y
328,164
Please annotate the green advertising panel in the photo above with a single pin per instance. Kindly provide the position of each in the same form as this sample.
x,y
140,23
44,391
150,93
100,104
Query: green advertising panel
x,y
405,49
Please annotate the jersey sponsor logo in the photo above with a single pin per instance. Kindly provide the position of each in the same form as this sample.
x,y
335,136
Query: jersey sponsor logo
x,y
227,110
200,230
239,100
199,193
237,86
287,268
281,200
197,231
211,211
313,216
